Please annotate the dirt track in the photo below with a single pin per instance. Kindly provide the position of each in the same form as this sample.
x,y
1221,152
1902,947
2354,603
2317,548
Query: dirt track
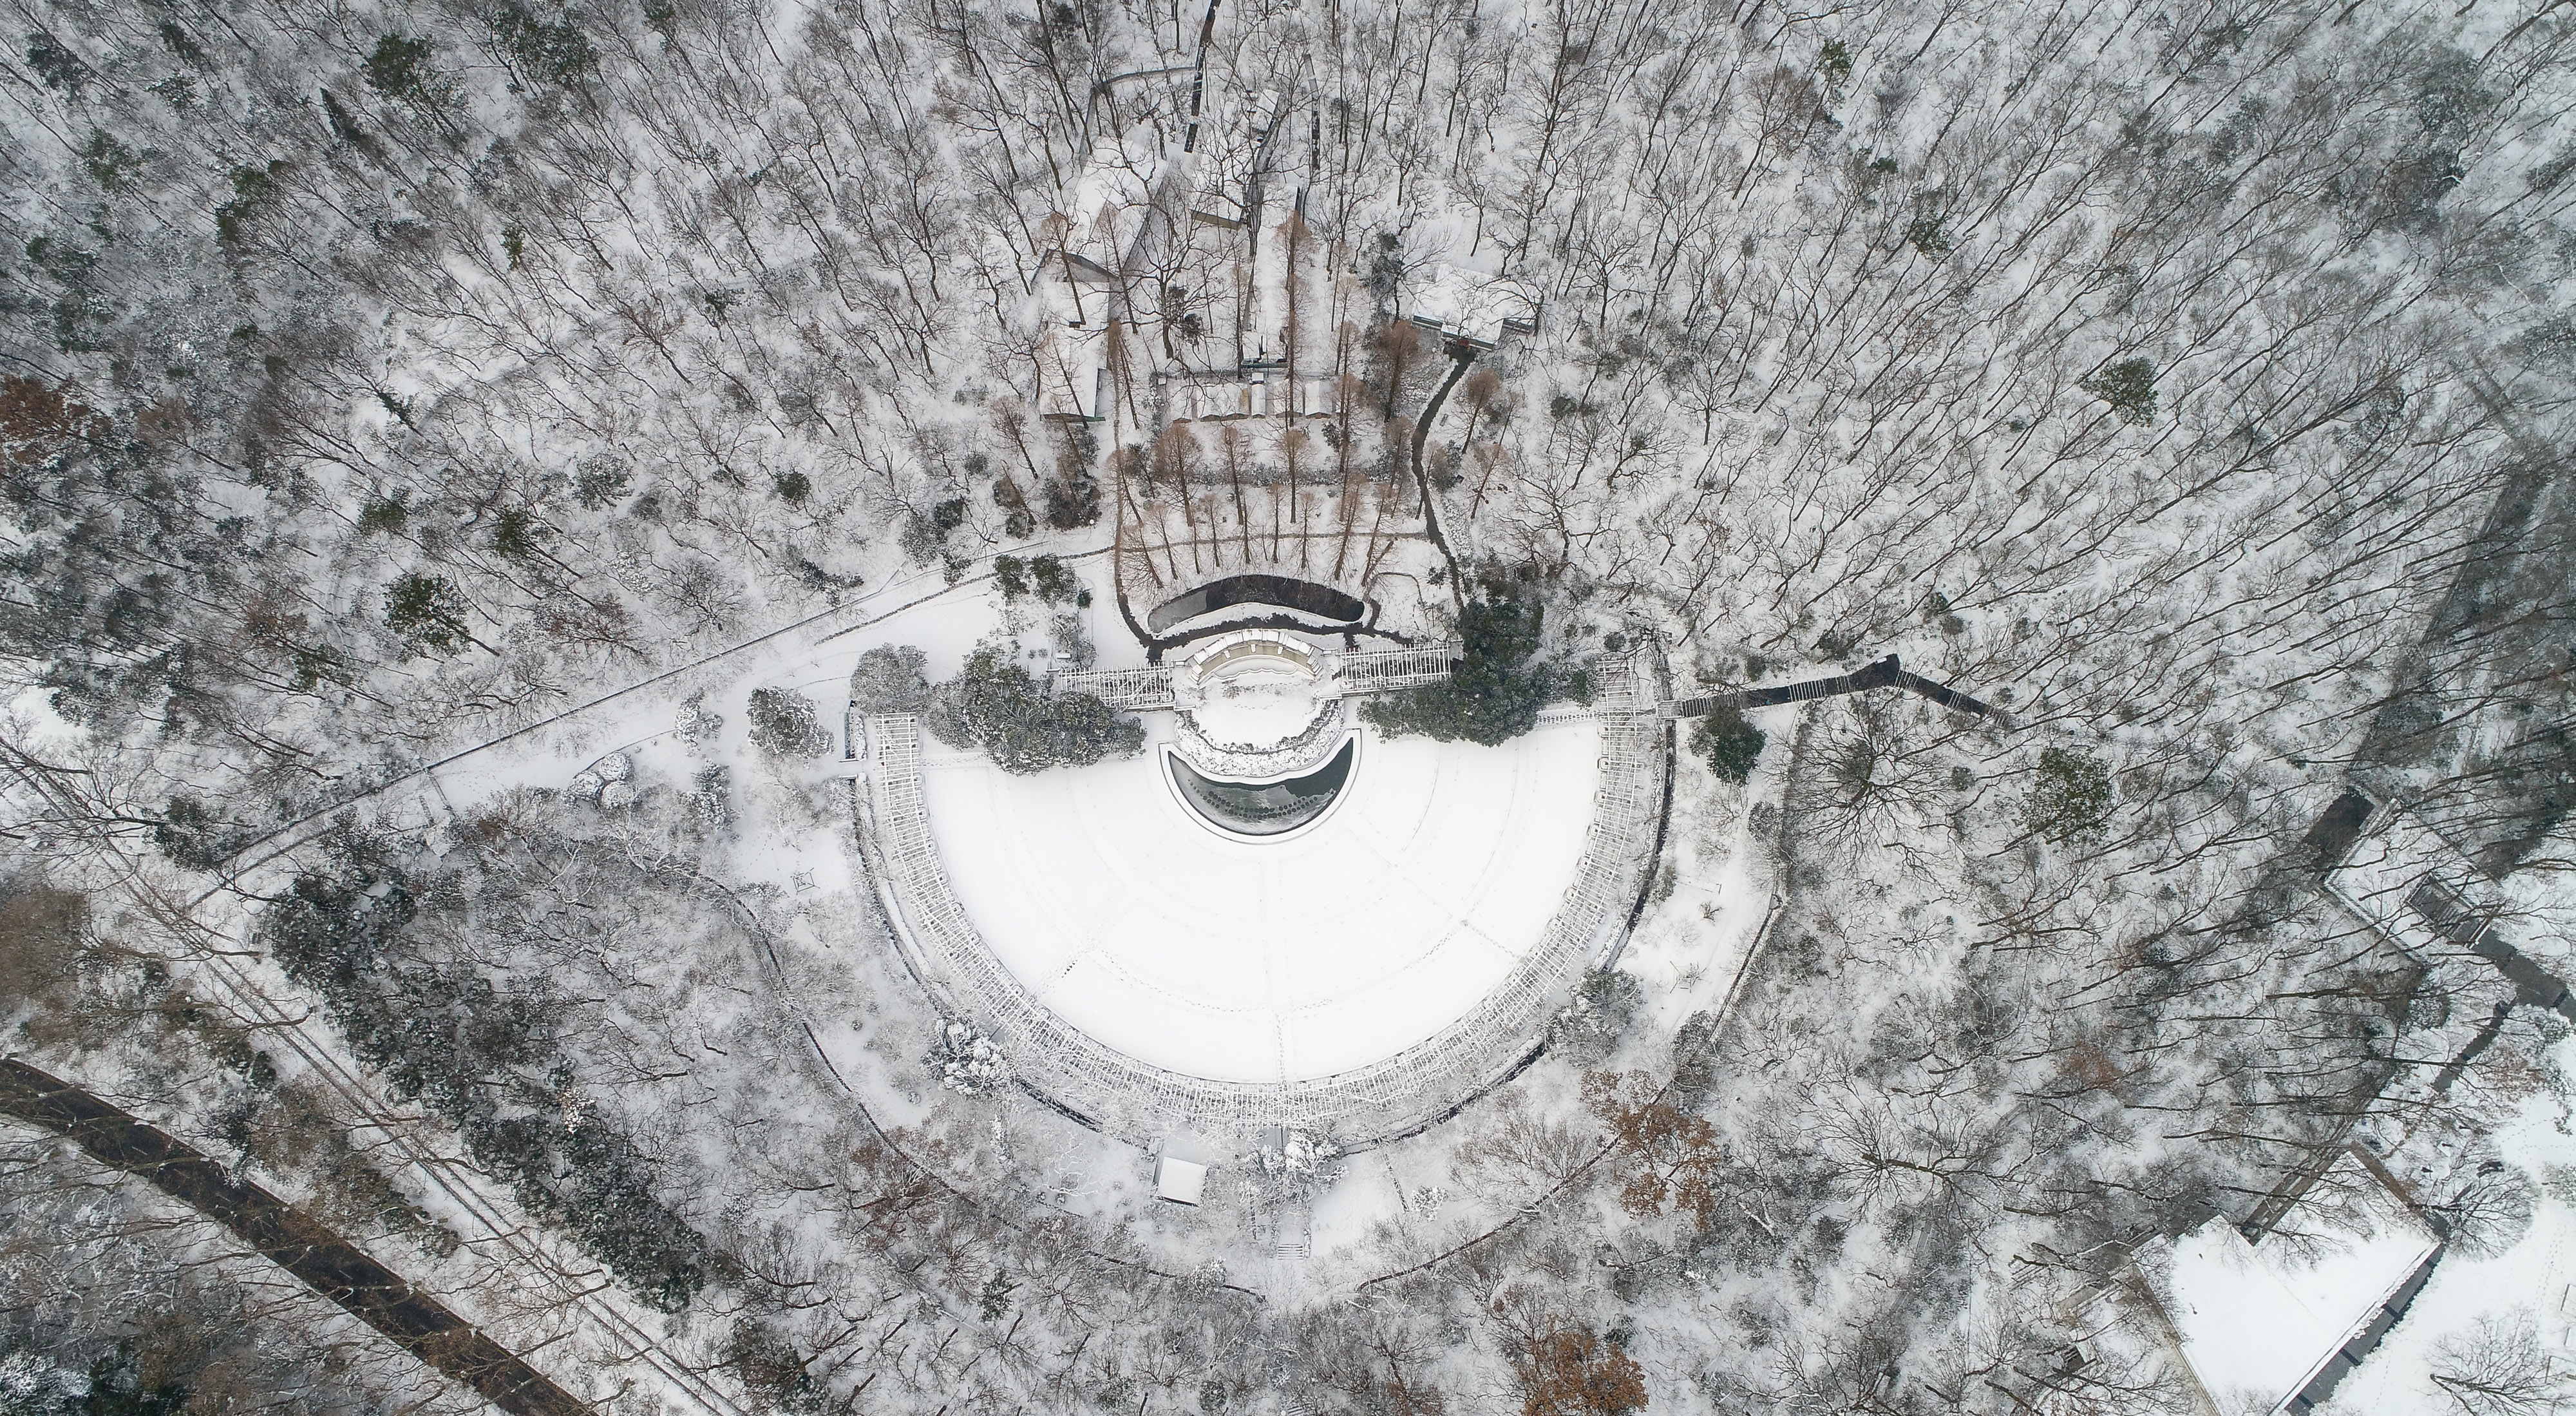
x,y
328,1264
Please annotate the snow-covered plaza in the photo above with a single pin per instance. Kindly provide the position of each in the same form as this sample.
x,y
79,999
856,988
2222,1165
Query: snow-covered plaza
x,y
1250,960
1150,969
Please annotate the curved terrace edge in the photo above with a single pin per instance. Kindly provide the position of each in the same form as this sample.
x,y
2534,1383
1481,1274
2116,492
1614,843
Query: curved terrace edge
x,y
1135,1101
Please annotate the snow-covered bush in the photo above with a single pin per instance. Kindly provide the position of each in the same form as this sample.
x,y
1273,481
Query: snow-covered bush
x,y
1301,1161
1729,744
695,725
994,704
612,771
786,725
966,1061
1590,1024
1493,695
890,679
709,797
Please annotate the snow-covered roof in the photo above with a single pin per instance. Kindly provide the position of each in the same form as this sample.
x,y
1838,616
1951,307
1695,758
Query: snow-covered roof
x,y
2259,1320
1180,1181
1470,303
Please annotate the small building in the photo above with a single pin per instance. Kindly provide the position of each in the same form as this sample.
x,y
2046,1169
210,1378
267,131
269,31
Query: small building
x,y
1178,1181
1470,306
2269,1320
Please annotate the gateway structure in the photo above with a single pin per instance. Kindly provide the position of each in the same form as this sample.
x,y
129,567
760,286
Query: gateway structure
x,y
1273,916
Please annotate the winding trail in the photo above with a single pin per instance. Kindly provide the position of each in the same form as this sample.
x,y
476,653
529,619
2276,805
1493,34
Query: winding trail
x,y
1460,358
328,1264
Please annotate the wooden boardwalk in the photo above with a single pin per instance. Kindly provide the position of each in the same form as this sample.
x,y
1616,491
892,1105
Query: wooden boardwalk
x,y
1886,673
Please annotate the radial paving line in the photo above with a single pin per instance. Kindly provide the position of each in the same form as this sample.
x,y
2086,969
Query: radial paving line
x,y
328,1264
576,1292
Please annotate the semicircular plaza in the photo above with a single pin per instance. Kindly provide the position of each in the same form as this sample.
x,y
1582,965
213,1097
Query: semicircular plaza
x,y
1359,975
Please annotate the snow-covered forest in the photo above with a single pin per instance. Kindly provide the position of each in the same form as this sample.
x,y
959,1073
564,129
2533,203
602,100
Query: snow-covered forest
x,y
457,455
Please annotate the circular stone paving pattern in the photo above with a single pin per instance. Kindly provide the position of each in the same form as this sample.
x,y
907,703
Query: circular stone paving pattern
x,y
1148,968
1254,960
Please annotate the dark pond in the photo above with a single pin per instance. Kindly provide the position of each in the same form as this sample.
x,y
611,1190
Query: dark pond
x,y
1267,810
1278,590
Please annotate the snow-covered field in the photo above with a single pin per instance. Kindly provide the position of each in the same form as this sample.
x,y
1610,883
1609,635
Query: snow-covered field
x,y
1269,961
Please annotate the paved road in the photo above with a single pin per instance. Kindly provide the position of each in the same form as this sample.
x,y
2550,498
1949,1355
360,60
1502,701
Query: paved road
x,y
330,1265
1886,673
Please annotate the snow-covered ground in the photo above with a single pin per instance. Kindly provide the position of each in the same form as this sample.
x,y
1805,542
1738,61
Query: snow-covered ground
x,y
2258,1319
1273,960
2534,1277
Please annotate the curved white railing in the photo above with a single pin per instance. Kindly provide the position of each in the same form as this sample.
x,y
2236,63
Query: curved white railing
x,y
1137,1101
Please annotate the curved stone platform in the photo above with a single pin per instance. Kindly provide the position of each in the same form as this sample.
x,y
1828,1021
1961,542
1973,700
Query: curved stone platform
x,y
1359,980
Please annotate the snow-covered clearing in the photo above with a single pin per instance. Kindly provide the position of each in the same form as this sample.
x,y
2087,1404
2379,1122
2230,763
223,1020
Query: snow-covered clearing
x,y
1275,960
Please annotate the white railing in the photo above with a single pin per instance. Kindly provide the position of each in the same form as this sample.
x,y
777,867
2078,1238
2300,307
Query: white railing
x,y
1136,1101
1129,690
1386,670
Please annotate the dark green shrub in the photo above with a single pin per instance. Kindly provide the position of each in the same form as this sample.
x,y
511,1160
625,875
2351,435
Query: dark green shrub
x,y
2070,797
557,52
1728,743
784,724
382,514
2129,386
514,532
1072,500
111,163
1929,235
1494,693
398,67
1051,579
254,188
428,612
191,836
995,705
890,679
56,65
